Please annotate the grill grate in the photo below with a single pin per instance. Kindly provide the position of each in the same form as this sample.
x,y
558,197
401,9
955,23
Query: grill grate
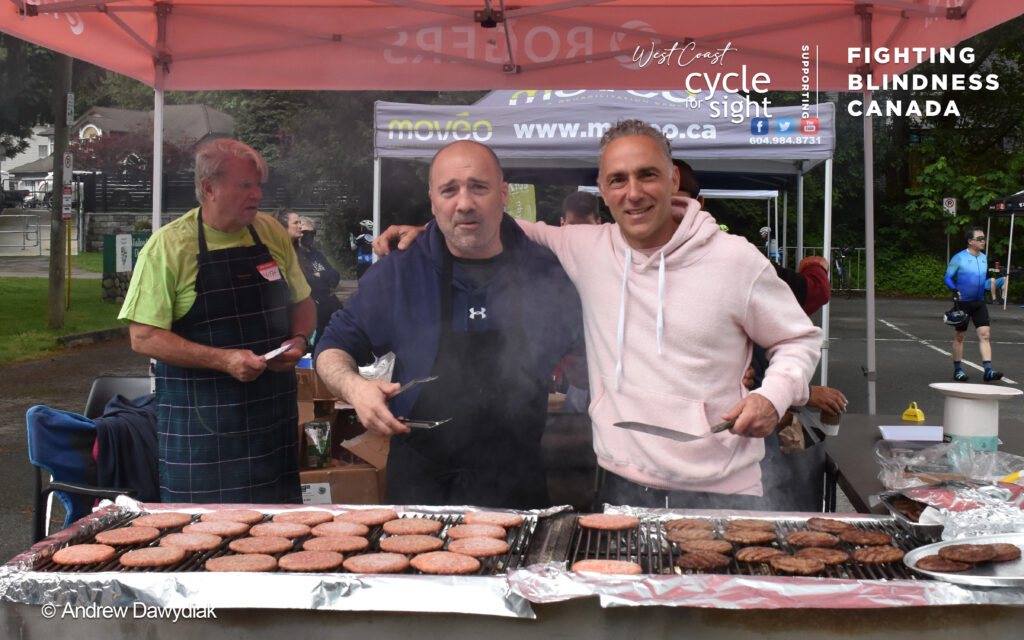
x,y
646,545
518,539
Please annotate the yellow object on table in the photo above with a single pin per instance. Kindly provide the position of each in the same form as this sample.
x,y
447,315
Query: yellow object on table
x,y
913,414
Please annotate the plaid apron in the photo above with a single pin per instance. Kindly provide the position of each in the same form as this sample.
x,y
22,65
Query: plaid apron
x,y
221,440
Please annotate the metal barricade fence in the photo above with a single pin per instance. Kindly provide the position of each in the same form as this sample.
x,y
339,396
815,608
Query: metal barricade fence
x,y
21,231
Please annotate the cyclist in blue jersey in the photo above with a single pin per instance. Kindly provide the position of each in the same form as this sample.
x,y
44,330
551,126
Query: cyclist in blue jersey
x,y
965,276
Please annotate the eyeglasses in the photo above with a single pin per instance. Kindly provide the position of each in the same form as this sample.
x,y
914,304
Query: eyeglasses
x,y
979,238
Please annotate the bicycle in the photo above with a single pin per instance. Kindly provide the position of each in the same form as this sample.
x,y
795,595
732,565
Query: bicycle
x,y
841,268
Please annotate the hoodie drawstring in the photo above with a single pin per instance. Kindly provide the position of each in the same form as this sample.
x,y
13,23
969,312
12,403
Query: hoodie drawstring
x,y
622,318
661,298
621,336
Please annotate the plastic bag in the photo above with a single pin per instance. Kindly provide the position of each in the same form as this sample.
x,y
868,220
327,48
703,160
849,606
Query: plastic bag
x,y
909,464
381,369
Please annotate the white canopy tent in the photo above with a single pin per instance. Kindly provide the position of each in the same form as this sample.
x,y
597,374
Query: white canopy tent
x,y
562,128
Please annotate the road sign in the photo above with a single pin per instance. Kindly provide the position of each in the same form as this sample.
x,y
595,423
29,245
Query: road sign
x,y
65,208
949,204
69,169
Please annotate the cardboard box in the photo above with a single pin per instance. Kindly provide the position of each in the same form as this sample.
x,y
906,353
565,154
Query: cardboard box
x,y
311,387
351,484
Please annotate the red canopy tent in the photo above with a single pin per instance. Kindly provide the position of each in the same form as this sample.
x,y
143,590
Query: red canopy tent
x,y
724,45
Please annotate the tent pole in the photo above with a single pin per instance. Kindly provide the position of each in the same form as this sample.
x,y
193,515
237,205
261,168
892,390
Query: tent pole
x,y
785,227
158,156
1009,255
800,218
826,314
376,199
869,241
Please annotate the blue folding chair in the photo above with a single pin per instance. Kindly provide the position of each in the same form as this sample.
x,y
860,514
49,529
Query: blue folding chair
x,y
62,443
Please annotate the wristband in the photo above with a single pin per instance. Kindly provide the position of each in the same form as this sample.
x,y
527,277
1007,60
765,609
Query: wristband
x,y
305,349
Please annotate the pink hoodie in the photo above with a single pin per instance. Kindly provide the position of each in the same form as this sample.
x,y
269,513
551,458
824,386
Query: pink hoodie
x,y
669,337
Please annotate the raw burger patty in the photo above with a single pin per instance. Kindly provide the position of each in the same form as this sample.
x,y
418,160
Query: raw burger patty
x,y
84,554
341,544
340,529
377,563
415,543
445,562
309,518
476,531
261,544
608,521
248,516
242,562
279,529
191,541
162,520
311,561
128,535
497,518
369,517
153,557
223,528
478,547
608,566
410,526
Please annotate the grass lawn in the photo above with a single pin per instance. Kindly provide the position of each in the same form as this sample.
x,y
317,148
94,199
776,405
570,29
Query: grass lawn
x,y
23,332
88,261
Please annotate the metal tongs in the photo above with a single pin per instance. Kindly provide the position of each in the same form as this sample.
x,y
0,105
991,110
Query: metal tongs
x,y
414,383
423,424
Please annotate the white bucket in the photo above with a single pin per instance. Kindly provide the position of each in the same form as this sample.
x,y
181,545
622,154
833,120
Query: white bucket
x,y
972,412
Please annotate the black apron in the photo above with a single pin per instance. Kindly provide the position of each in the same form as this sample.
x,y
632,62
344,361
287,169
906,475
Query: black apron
x,y
489,455
222,440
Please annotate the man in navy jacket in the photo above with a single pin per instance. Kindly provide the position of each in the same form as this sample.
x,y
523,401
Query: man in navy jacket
x,y
486,311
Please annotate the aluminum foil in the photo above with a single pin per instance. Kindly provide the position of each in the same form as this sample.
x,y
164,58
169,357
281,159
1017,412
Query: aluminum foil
x,y
970,508
482,595
554,582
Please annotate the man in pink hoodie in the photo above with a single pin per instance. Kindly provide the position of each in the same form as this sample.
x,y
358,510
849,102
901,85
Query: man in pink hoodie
x,y
672,306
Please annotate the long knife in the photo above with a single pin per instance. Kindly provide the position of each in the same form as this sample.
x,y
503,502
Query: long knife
x,y
672,434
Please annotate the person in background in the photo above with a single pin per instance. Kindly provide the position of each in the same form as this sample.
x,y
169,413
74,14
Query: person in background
x,y
995,287
212,293
580,207
321,276
363,246
965,277
489,313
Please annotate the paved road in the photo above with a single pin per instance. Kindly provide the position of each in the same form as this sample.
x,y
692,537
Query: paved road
x,y
913,344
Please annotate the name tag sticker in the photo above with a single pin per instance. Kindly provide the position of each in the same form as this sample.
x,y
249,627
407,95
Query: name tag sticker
x,y
270,270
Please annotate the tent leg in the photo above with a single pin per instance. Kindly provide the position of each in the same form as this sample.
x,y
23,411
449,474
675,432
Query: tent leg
x,y
1009,256
869,241
158,156
826,311
800,219
785,228
376,199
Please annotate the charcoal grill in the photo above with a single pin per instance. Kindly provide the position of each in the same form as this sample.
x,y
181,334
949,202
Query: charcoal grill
x,y
518,539
646,545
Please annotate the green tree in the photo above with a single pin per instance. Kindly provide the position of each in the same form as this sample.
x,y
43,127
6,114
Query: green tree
x,y
25,72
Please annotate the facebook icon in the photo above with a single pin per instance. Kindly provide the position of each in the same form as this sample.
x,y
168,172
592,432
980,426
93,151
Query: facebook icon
x,y
759,126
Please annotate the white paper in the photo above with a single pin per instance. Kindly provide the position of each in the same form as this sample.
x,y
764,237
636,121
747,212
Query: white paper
x,y
911,432
273,353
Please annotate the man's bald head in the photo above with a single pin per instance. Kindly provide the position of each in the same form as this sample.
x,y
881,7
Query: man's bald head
x,y
462,144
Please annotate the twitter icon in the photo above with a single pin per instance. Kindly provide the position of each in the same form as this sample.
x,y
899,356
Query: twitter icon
x,y
784,125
